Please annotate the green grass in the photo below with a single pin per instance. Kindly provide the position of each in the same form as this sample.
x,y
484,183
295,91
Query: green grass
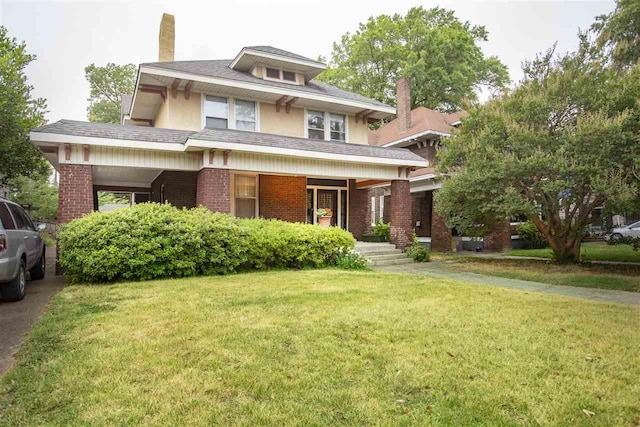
x,y
593,251
584,276
324,348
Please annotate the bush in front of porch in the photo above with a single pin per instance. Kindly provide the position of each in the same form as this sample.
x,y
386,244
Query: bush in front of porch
x,y
153,240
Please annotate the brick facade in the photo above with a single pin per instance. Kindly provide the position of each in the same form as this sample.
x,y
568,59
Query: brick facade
x,y
179,188
359,210
421,207
440,233
499,238
283,197
401,222
214,190
428,152
75,192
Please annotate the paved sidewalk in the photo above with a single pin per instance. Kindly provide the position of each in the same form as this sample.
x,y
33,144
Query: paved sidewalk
x,y
17,318
436,269
496,255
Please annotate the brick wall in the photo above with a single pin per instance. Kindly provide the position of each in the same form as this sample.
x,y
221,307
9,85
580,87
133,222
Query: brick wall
x,y
283,197
428,152
359,210
400,215
403,102
440,233
213,190
499,238
179,188
75,192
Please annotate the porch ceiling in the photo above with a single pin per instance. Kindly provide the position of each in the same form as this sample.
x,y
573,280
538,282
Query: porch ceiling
x,y
123,176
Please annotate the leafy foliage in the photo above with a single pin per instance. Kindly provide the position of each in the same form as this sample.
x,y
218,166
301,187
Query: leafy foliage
x,y
351,260
381,229
564,142
417,252
531,237
107,84
107,198
152,241
19,113
619,31
437,53
37,192
634,242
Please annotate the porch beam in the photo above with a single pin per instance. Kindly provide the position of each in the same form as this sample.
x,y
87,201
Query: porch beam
x,y
116,188
362,115
174,87
289,103
280,101
187,90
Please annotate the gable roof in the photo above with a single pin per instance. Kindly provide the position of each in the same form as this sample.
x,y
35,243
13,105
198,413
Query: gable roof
x,y
180,140
275,51
125,104
423,120
219,68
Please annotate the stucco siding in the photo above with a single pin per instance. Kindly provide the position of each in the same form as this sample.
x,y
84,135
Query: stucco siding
x,y
358,133
180,113
281,123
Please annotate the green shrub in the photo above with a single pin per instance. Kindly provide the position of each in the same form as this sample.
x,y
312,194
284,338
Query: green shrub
x,y
279,244
531,237
351,260
381,229
152,241
417,252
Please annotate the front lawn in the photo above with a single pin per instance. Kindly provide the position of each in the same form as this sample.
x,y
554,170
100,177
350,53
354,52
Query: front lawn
x,y
592,251
324,347
621,278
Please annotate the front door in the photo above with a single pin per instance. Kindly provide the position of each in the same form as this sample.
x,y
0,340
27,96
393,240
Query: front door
x,y
329,199
334,199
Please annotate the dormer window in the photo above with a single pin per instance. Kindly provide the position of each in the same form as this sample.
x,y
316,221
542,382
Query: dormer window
x,y
278,74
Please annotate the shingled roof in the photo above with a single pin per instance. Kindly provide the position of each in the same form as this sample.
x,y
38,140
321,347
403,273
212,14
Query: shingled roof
x,y
158,135
125,104
275,51
219,68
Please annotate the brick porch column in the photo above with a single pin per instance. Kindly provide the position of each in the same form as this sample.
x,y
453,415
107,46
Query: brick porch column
x,y
359,210
213,190
499,238
75,196
440,233
400,214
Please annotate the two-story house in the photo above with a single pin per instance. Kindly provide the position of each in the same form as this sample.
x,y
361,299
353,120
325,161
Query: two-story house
x,y
252,136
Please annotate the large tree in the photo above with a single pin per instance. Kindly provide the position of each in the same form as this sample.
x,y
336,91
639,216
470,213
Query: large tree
x,y
19,112
619,31
38,192
107,84
561,144
439,54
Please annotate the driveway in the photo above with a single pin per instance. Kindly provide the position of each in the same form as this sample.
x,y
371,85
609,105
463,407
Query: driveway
x,y
17,318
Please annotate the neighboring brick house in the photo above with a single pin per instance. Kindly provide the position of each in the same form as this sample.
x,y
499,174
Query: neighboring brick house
x,y
253,136
420,130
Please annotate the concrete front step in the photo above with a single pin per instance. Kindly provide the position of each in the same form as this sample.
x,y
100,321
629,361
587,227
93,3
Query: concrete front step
x,y
374,252
380,257
382,253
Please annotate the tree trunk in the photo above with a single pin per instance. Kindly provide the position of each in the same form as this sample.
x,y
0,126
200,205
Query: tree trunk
x,y
565,250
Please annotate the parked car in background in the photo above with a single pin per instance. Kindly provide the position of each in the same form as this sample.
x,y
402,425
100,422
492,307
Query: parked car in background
x,y
631,230
22,250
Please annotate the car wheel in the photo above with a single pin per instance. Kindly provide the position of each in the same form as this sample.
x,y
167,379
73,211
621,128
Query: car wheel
x,y
14,290
37,272
616,237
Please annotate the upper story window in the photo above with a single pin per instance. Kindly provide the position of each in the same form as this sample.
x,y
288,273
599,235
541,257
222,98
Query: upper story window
x,y
338,128
278,74
216,112
315,124
245,115
326,126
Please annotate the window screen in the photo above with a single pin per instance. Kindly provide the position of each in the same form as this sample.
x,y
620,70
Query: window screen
x,y
245,115
289,76
273,73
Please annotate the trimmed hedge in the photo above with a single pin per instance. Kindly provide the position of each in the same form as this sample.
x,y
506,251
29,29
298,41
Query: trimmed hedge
x,y
151,241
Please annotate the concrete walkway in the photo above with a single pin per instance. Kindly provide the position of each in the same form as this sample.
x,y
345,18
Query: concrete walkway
x,y
17,318
495,255
436,269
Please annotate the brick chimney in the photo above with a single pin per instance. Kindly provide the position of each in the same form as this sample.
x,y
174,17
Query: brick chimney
x,y
403,102
167,39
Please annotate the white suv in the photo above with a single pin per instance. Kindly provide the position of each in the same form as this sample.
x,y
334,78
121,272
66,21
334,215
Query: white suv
x,y
21,249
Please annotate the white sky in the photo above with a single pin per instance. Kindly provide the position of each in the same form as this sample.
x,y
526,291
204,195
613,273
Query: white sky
x,y
66,36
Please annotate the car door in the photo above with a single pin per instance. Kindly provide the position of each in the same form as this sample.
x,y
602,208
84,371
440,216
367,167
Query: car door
x,y
30,236
634,229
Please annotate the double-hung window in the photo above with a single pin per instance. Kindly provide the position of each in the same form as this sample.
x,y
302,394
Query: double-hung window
x,y
216,112
337,126
315,124
245,196
245,115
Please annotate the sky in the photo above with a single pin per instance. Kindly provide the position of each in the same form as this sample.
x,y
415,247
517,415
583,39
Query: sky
x,y
66,36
